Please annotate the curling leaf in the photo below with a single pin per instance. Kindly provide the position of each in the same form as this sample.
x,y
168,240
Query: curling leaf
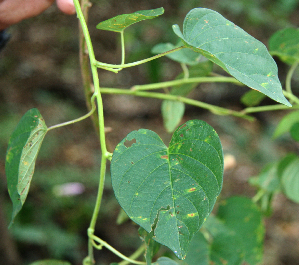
x,y
238,53
23,147
121,22
169,191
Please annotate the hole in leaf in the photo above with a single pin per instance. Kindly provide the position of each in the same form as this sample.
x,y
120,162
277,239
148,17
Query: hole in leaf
x,y
129,143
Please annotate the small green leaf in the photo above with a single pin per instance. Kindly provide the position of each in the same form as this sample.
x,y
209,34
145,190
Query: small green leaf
x,y
165,261
295,131
152,246
172,113
50,262
121,22
238,53
169,191
286,123
285,44
187,56
252,98
23,147
290,180
241,215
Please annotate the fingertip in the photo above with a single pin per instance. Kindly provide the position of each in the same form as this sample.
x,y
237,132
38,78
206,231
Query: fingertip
x,y
66,6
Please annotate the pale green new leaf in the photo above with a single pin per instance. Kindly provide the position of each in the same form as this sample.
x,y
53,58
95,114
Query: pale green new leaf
x,y
285,44
169,191
238,53
23,147
121,22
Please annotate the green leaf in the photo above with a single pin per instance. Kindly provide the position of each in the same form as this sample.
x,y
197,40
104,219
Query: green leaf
x,y
170,191
295,131
241,215
199,250
165,261
186,56
121,22
172,113
286,123
23,147
238,53
252,98
225,246
290,180
285,44
50,262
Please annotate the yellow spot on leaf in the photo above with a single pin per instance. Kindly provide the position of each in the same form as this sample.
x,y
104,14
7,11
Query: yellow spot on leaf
x,y
192,189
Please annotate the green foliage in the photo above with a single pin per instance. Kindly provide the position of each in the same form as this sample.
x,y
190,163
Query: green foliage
x,y
286,123
50,262
171,191
178,186
186,56
23,147
252,98
238,53
285,45
121,22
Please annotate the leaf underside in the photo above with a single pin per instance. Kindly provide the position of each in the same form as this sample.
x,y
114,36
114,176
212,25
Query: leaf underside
x,y
229,46
23,147
169,191
121,22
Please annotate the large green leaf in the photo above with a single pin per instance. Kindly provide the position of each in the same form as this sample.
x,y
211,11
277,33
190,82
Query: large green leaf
x,y
23,147
241,215
285,45
170,191
165,261
121,22
238,53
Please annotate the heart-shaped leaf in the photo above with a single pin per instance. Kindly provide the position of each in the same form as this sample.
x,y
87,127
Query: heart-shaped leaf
x,y
23,147
169,191
285,44
121,22
238,53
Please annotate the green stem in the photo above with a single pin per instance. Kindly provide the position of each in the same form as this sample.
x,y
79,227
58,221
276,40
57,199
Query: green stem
x,y
118,67
178,82
135,255
106,245
292,97
289,77
267,108
123,51
105,153
212,108
185,70
93,108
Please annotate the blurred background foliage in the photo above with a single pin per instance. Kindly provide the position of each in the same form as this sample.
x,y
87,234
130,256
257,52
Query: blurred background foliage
x,y
40,68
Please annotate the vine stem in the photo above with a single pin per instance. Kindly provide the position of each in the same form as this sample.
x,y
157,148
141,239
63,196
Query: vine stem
x,y
105,153
178,82
212,108
93,108
103,243
117,67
